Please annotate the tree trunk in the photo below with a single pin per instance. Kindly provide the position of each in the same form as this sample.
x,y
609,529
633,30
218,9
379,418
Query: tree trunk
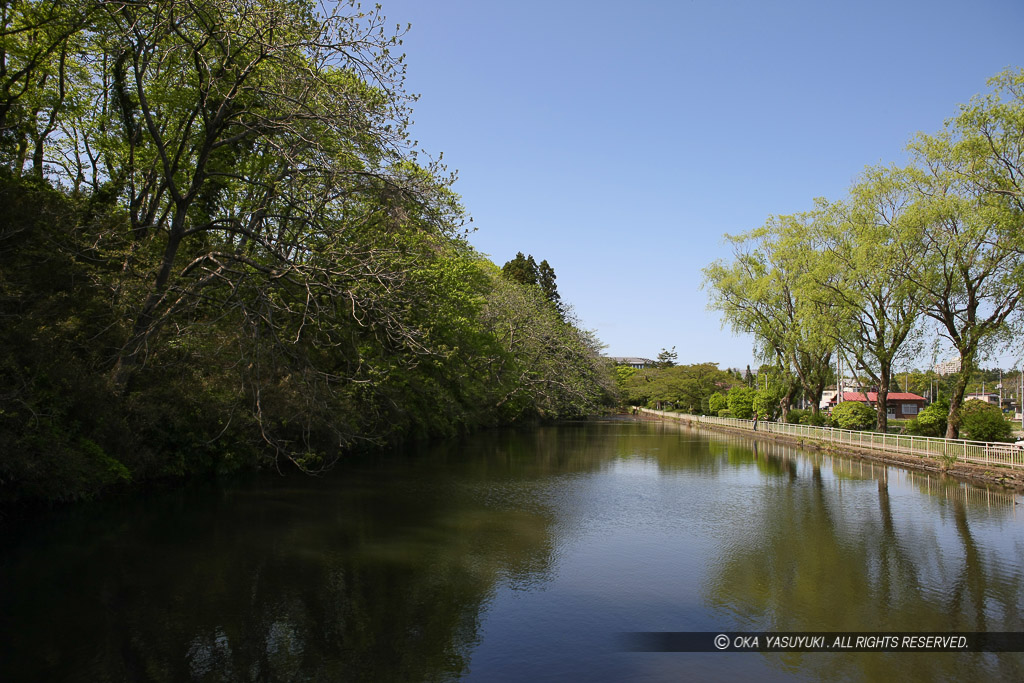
x,y
128,360
956,399
884,380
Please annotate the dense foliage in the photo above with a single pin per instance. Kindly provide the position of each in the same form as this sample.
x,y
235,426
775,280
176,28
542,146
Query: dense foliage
x,y
981,421
853,415
526,271
932,420
681,387
741,402
218,249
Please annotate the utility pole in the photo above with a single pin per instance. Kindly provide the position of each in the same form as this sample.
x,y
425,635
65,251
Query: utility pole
x,y
839,379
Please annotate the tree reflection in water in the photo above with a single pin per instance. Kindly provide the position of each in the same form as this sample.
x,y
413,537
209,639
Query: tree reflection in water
x,y
413,566
822,560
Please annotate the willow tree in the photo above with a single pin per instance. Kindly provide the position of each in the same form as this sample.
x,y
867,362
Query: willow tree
x,y
763,292
873,313
964,248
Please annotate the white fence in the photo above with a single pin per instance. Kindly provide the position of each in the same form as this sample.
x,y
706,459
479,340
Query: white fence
x,y
979,452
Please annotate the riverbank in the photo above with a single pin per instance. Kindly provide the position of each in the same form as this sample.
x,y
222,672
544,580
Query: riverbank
x,y
979,474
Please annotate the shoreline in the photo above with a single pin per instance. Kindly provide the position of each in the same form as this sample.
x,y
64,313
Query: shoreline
x,y
1004,477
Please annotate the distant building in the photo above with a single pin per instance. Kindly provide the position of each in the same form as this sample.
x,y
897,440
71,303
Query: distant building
x,y
638,363
828,397
900,405
948,367
987,398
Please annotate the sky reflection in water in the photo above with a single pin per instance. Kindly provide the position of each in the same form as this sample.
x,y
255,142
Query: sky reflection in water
x,y
515,555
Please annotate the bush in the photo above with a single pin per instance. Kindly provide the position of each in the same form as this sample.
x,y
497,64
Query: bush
x,y
795,416
981,421
717,403
724,412
854,415
741,402
932,420
814,419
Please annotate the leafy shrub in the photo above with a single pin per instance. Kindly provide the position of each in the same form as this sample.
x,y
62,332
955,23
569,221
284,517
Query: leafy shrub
x,y
724,412
766,403
932,420
741,402
795,416
853,415
812,418
717,402
981,421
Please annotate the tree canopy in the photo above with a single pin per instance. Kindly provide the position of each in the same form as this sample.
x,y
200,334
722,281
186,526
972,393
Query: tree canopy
x,y
526,271
935,249
216,220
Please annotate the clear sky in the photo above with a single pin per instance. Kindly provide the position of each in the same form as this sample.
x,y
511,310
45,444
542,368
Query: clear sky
x,y
621,140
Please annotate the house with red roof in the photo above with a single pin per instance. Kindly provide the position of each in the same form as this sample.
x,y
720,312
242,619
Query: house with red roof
x,y
901,405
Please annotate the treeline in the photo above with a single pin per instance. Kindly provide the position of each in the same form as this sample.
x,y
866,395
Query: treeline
x,y
933,250
219,249
704,389
669,386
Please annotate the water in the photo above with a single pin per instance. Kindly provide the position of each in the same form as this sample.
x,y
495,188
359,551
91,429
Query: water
x,y
518,555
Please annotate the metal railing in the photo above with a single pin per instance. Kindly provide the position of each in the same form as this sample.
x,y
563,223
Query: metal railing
x,y
949,450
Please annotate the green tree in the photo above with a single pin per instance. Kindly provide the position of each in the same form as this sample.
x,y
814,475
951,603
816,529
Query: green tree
x,y
766,402
687,386
963,248
873,312
932,420
521,269
526,271
764,292
214,217
546,281
741,402
622,374
42,75
717,402
667,358
549,368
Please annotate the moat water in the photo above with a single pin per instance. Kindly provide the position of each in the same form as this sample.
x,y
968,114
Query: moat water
x,y
518,555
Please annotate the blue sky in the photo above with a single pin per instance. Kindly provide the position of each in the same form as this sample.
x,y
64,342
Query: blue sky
x,y
620,141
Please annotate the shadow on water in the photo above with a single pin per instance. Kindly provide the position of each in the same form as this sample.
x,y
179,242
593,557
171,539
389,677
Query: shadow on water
x,y
376,573
398,567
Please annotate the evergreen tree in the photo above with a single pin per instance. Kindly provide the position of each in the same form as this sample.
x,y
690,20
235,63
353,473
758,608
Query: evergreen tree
x,y
666,358
546,280
525,271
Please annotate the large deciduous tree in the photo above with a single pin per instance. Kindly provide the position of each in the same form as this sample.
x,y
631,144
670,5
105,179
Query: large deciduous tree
x,y
965,244
873,312
763,292
219,224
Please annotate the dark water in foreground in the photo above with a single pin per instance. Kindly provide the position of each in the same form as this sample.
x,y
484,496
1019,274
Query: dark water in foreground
x,y
518,556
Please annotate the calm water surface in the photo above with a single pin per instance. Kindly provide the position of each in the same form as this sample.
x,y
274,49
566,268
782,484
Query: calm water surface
x,y
518,555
